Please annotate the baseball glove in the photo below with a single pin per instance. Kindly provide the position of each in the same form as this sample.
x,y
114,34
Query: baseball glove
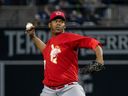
x,y
91,68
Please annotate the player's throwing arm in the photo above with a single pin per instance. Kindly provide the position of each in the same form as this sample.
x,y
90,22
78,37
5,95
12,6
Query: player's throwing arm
x,y
30,30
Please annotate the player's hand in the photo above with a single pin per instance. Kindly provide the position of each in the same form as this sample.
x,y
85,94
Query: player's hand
x,y
30,29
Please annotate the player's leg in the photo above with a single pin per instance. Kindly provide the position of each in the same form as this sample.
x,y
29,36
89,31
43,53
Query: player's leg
x,y
48,92
75,90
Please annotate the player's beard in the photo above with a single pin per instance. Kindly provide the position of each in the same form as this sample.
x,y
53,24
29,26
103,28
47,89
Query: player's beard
x,y
59,29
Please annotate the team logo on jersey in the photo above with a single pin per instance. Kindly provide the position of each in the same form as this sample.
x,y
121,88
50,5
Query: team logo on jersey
x,y
54,52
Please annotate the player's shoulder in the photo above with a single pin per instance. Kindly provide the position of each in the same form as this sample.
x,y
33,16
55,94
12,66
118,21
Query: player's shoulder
x,y
71,34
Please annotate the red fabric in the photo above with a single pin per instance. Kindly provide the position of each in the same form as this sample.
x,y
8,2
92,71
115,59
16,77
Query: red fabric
x,y
57,14
65,70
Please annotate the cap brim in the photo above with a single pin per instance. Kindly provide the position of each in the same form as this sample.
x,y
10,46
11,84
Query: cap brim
x,y
58,17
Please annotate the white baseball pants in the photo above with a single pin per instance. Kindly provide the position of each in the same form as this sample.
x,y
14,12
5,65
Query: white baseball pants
x,y
68,90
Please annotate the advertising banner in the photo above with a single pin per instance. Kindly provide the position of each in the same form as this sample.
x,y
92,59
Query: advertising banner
x,y
16,45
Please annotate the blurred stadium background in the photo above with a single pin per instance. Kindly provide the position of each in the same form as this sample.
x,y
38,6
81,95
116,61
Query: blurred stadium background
x,y
21,64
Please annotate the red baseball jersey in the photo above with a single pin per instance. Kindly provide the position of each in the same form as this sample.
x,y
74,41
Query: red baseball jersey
x,y
61,60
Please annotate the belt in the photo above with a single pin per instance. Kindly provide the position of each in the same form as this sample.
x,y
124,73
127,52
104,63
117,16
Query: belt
x,y
61,86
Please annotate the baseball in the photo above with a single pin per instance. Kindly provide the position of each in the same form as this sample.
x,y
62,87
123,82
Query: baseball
x,y
29,26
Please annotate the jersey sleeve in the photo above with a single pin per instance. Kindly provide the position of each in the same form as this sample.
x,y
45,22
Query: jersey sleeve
x,y
88,42
84,42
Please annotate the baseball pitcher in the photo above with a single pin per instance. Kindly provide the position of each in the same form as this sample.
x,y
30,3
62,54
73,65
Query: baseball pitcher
x,y
61,57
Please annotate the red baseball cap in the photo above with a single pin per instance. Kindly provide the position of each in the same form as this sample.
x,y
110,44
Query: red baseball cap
x,y
57,14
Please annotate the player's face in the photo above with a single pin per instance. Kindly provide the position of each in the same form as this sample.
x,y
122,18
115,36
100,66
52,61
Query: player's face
x,y
57,26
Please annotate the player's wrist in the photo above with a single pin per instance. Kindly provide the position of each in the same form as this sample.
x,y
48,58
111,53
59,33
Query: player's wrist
x,y
100,60
32,36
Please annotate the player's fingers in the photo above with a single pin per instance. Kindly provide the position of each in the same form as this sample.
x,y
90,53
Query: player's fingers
x,y
30,31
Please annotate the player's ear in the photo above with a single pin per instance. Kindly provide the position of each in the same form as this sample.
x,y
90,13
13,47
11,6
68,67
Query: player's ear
x,y
49,25
65,26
